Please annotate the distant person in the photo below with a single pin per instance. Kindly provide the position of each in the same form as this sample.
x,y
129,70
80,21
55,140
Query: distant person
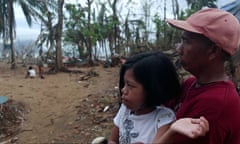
x,y
209,39
147,81
31,73
122,60
40,67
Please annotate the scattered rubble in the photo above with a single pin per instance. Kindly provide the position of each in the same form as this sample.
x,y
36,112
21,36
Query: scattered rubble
x,y
11,118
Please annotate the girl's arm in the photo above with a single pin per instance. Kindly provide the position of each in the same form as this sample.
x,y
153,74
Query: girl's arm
x,y
190,127
114,139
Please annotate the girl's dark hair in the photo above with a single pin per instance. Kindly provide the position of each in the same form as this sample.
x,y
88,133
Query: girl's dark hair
x,y
156,73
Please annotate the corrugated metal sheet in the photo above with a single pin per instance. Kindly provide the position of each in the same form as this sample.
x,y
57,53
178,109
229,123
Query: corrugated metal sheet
x,y
233,8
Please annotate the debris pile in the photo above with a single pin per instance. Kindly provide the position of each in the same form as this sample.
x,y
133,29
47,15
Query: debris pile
x,y
97,111
11,118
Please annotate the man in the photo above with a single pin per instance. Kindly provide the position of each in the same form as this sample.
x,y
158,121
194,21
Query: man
x,y
210,37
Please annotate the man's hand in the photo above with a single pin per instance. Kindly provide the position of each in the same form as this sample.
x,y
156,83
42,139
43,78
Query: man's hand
x,y
191,127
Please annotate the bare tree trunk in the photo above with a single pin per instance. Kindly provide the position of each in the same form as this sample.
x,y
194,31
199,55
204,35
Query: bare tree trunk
x,y
5,30
89,41
110,44
10,23
164,26
59,36
115,19
80,47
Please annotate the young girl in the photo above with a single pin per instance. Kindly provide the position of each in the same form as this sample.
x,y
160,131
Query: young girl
x,y
147,81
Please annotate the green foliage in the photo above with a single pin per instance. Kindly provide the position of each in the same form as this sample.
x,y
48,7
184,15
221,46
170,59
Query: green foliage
x,y
87,28
172,36
32,10
198,4
76,24
165,40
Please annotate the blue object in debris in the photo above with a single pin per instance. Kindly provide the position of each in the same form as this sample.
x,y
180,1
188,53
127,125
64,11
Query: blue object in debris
x,y
3,99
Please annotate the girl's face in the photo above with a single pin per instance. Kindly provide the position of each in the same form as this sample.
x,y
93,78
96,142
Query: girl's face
x,y
132,92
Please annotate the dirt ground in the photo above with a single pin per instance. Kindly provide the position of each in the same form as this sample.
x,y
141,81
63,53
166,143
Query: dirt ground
x,y
63,107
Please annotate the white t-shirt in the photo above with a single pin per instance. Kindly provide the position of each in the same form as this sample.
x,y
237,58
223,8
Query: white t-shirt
x,y
32,73
141,128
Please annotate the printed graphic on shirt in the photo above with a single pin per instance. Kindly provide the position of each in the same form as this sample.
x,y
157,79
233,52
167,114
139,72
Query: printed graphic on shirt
x,y
125,137
141,128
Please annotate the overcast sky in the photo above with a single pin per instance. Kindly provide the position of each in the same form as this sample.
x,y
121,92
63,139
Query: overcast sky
x,y
24,32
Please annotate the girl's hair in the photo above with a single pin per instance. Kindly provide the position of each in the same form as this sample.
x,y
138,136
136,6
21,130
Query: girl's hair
x,y
156,73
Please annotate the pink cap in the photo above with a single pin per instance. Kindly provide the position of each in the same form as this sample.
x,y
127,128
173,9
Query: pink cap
x,y
219,26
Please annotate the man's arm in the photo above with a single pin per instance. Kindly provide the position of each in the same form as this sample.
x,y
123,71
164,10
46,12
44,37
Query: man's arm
x,y
190,127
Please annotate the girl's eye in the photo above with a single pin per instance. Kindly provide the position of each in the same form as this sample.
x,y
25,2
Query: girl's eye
x,y
129,85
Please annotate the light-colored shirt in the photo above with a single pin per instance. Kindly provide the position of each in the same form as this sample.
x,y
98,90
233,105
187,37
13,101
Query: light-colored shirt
x,y
32,73
141,128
